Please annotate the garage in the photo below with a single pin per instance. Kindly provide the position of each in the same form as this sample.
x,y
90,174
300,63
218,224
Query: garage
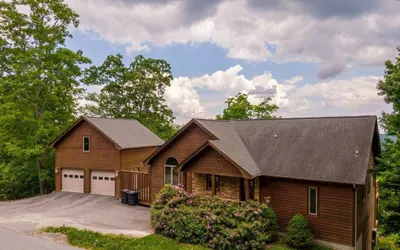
x,y
72,180
102,182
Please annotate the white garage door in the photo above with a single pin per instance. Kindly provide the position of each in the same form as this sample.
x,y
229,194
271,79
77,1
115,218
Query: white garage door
x,y
72,180
102,182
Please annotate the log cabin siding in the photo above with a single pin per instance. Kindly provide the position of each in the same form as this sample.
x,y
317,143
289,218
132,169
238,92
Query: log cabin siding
x,y
103,154
133,158
180,148
366,208
334,221
210,161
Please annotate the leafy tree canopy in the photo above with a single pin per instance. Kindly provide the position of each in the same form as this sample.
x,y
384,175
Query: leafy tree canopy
x,y
388,169
239,107
38,90
135,91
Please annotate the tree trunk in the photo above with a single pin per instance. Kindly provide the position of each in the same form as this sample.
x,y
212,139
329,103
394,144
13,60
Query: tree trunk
x,y
41,183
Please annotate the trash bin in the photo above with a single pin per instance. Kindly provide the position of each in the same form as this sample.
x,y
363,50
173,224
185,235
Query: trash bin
x,y
136,197
124,196
133,198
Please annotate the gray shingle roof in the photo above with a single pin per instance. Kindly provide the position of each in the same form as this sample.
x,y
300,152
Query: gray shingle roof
x,y
127,133
322,149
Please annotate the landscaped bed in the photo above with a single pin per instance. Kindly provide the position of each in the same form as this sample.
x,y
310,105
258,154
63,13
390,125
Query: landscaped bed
x,y
97,241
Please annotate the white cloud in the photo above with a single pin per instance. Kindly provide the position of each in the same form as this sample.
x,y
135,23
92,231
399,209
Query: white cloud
x,y
188,97
364,33
137,48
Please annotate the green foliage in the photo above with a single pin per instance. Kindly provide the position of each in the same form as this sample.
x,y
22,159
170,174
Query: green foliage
x,y
298,234
97,241
391,242
212,222
388,169
239,107
38,91
280,246
135,91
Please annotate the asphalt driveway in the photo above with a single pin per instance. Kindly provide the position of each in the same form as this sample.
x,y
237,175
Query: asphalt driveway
x,y
12,240
103,214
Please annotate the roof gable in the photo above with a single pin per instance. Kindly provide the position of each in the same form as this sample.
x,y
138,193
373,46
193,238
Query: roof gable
x,y
124,133
176,136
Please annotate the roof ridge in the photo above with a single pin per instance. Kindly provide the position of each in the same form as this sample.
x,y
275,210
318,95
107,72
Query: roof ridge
x,y
112,118
289,118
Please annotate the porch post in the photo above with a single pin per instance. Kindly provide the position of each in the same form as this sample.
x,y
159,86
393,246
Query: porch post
x,y
213,184
247,188
185,180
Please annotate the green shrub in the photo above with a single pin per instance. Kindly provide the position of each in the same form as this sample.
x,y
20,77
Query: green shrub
x,y
298,234
213,222
391,241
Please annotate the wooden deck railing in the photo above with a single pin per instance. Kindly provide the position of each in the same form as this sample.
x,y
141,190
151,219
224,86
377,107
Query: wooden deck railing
x,y
139,182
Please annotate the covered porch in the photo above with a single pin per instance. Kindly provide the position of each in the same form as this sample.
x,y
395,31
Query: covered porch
x,y
208,172
225,187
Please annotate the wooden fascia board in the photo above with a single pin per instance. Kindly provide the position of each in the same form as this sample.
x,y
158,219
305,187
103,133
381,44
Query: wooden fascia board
x,y
79,120
76,123
175,136
244,173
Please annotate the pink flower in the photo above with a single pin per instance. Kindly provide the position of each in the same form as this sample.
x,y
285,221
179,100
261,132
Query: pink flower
x,y
268,246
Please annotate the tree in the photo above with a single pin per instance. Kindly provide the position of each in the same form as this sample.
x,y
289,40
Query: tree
x,y
239,107
38,91
135,91
388,169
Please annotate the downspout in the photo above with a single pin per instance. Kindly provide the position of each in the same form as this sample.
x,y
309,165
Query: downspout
x,y
355,216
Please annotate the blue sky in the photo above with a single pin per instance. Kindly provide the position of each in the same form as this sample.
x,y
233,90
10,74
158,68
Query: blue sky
x,y
314,58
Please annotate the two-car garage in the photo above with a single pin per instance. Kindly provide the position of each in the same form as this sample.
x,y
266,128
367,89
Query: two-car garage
x,y
101,182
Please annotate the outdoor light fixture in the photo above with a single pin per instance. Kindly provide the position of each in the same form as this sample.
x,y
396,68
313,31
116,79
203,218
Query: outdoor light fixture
x,y
56,170
116,173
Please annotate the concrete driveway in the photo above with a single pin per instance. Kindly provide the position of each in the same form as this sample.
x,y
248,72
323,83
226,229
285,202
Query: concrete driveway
x,y
104,214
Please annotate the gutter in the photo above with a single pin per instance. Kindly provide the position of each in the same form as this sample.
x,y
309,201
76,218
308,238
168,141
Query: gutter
x,y
355,216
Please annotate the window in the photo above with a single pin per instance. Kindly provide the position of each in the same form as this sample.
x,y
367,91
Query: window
x,y
100,178
76,176
112,179
94,177
106,178
81,176
209,182
86,144
171,174
71,176
312,200
65,176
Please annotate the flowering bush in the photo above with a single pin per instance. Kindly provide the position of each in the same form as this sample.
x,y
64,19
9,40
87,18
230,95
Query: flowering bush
x,y
213,222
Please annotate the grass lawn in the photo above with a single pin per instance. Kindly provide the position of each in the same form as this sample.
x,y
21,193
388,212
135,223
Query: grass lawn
x,y
97,241
279,246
